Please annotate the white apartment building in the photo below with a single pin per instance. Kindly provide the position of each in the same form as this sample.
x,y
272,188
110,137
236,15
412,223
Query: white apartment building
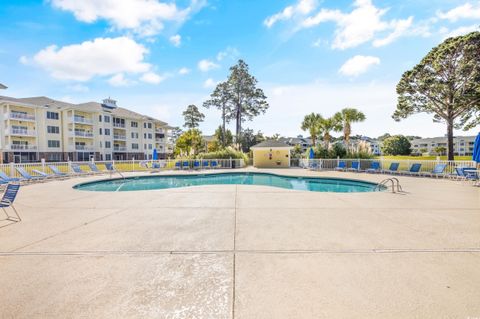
x,y
462,145
42,128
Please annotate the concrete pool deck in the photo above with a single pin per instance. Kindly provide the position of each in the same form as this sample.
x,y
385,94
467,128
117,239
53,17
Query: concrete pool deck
x,y
228,251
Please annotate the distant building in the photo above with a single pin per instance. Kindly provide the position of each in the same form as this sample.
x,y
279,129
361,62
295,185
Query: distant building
x,y
462,145
303,142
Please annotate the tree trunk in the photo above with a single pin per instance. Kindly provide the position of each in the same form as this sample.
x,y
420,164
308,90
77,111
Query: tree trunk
x,y
450,140
239,125
223,126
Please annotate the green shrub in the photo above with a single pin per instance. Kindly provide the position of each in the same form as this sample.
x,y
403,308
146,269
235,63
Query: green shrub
x,y
226,153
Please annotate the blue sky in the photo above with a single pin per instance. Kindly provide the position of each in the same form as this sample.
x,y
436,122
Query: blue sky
x,y
157,57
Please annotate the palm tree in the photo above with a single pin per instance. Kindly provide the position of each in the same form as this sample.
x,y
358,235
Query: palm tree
x,y
326,126
346,117
311,123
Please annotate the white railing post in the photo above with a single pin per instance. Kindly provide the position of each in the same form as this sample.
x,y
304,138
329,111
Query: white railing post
x,y
43,164
12,169
69,166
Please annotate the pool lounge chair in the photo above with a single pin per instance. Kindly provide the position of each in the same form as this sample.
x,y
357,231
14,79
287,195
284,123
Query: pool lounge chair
x,y
393,169
438,170
94,169
342,165
374,168
414,169
5,178
466,173
77,170
196,164
27,177
185,165
355,167
7,201
43,174
57,172
205,164
313,165
178,165
214,164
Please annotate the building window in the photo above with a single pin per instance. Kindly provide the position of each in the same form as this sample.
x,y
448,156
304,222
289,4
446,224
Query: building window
x,y
53,143
134,146
150,135
149,146
108,157
100,131
52,115
106,119
53,129
149,125
134,135
107,144
144,125
99,118
107,131
134,124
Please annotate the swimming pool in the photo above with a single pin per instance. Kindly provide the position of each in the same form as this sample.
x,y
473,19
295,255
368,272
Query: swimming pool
x,y
313,184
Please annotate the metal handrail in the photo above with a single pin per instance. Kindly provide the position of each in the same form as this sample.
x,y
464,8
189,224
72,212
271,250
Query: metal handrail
x,y
395,183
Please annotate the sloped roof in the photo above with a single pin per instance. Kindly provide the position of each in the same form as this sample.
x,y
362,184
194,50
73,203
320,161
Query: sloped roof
x,y
272,144
2,86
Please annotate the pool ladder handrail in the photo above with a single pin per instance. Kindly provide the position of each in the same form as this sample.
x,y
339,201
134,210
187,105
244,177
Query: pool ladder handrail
x,y
395,183
116,171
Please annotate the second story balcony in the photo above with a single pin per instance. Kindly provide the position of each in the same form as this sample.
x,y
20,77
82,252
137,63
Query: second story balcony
x,y
81,134
85,148
20,116
119,125
119,137
20,132
119,148
82,120
22,147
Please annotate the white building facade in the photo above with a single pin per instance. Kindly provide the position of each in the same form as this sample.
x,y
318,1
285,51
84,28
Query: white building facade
x,y
462,145
42,128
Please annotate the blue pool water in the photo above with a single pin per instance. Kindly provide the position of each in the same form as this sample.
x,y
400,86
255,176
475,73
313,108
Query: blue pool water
x,y
314,184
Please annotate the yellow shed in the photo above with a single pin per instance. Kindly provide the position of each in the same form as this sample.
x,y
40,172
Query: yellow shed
x,y
271,153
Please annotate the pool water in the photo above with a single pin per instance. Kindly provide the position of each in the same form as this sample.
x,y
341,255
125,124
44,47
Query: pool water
x,y
313,184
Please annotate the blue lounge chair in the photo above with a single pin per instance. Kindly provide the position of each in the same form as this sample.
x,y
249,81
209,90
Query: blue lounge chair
x,y
374,168
78,170
205,164
438,170
43,174
214,164
355,167
7,201
393,169
178,165
56,171
196,164
313,165
5,178
341,166
466,173
94,168
414,169
27,177
185,165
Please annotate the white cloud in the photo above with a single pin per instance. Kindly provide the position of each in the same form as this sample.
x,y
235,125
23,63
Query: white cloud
x,y
207,65
209,83
24,60
459,31
100,57
176,40
466,11
229,52
119,80
144,17
184,71
361,25
358,64
152,78
301,8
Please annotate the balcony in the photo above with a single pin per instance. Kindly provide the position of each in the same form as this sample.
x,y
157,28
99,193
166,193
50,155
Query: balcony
x,y
85,148
82,120
20,116
160,140
119,148
81,134
23,147
20,132
119,125
119,137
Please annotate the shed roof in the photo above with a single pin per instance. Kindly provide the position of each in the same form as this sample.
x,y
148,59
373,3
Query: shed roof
x,y
272,144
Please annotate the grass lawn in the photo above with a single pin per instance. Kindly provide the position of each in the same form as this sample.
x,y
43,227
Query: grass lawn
x,y
426,158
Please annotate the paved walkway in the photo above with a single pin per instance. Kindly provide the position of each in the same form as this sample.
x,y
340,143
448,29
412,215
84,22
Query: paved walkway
x,y
228,251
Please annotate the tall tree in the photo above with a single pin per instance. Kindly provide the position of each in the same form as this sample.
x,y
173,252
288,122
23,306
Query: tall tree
x,y
396,145
346,117
221,98
189,143
247,100
224,137
192,116
446,83
311,123
328,125
249,138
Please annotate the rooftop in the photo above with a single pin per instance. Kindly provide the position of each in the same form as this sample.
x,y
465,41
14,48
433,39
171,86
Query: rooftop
x,y
272,144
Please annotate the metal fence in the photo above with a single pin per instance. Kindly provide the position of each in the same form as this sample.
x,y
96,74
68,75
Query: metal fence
x,y
124,166
404,165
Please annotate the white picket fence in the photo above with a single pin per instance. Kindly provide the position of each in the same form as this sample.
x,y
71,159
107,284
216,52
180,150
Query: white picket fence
x,y
124,166
404,165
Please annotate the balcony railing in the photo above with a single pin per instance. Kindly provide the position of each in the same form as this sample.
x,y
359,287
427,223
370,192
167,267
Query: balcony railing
x,y
81,134
82,120
23,147
119,148
21,116
160,140
20,132
84,148
119,137
119,125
